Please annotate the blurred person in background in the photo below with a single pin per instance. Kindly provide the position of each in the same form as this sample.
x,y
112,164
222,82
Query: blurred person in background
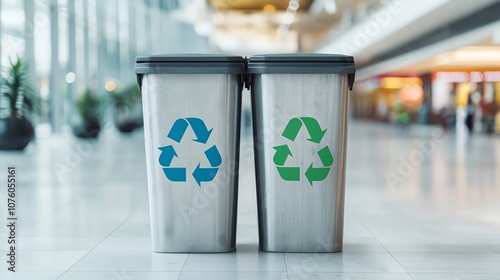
x,y
423,114
478,111
447,117
464,109
488,118
489,109
470,112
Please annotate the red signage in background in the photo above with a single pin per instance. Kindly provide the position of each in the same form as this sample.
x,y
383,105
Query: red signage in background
x,y
463,77
492,76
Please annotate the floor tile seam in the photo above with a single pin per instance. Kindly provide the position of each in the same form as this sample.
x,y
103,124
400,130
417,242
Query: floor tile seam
x,y
91,250
286,266
364,225
184,265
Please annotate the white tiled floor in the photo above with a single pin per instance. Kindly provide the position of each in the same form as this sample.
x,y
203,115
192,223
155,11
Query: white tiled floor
x,y
83,213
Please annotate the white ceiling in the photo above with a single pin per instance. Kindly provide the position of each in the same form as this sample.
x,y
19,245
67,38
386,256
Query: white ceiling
x,y
426,59
410,20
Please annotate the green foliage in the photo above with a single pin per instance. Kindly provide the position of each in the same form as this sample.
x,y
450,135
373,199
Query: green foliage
x,y
402,116
21,98
127,98
90,107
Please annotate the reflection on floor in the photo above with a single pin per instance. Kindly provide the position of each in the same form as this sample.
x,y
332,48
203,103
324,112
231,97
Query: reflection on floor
x,y
426,209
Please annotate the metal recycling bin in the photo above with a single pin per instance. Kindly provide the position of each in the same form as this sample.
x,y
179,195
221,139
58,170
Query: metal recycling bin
x,y
300,112
192,107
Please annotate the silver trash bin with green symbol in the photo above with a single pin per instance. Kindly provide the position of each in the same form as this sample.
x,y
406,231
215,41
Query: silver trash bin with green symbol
x,y
300,112
192,109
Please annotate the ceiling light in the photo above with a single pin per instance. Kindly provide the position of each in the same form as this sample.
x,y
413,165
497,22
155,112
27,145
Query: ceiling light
x,y
110,86
70,77
269,9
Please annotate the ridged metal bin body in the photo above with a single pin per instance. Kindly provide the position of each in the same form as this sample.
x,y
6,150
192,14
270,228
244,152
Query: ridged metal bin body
x,y
300,215
192,216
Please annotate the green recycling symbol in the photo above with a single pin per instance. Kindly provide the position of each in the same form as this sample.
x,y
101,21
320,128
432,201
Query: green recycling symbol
x,y
313,174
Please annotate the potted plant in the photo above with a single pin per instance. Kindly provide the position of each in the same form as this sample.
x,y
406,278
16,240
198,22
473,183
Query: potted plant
x,y
18,101
89,108
127,108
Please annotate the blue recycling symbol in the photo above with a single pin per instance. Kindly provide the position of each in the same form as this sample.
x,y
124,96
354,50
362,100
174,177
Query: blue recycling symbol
x,y
200,174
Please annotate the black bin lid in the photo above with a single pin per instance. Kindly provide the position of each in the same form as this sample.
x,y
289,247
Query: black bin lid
x,y
303,63
190,64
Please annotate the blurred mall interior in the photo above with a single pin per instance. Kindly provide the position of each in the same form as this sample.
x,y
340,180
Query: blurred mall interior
x,y
426,72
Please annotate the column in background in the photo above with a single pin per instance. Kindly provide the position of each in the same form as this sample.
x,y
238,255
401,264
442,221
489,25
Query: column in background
x,y
56,112
71,68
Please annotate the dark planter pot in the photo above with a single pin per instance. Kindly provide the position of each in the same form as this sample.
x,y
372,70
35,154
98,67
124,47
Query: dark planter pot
x,y
123,121
90,129
15,133
127,119
125,126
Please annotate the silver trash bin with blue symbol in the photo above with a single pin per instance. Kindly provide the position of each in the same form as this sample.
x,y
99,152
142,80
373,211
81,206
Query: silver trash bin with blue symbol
x,y
192,109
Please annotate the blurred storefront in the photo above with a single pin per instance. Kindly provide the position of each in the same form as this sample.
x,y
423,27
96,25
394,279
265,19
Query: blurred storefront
x,y
431,99
475,91
389,98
